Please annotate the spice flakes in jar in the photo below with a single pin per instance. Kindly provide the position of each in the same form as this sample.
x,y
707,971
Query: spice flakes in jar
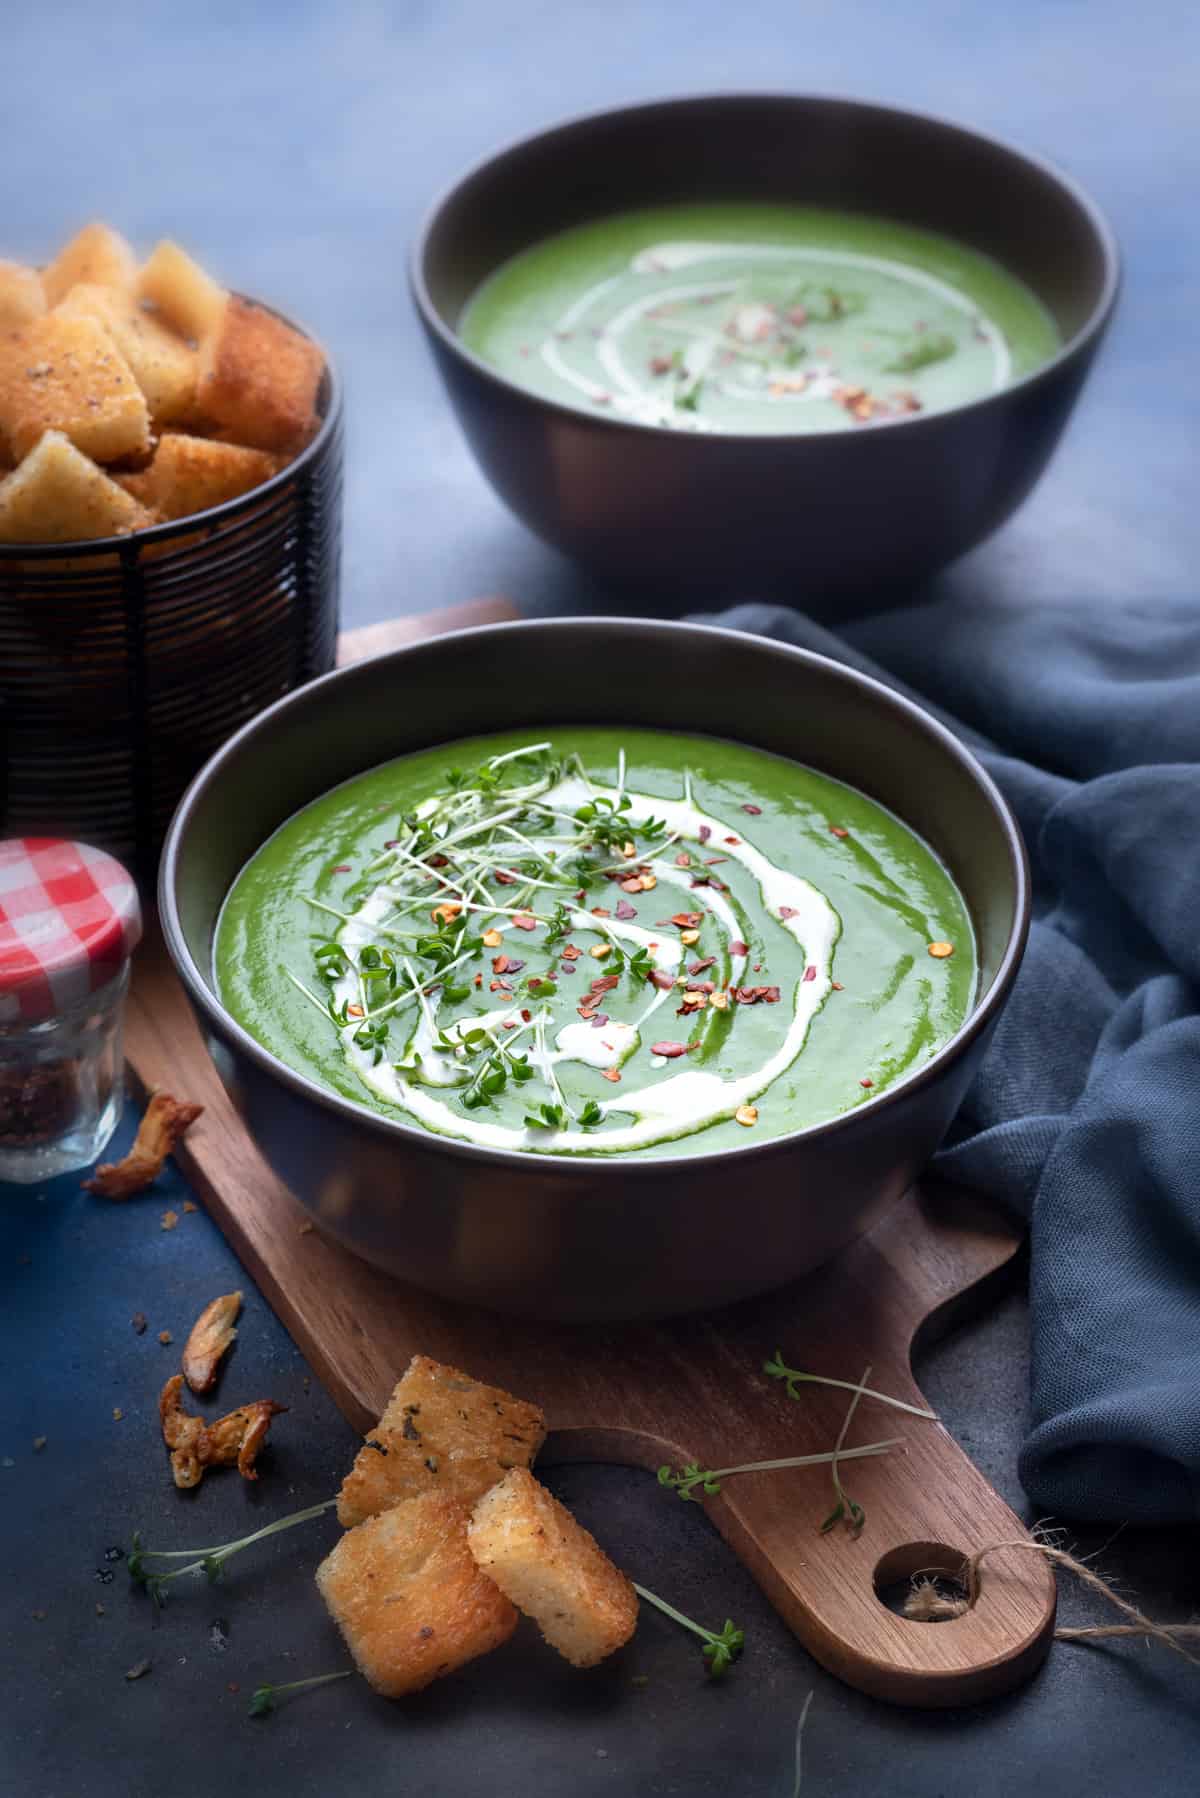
x,y
69,922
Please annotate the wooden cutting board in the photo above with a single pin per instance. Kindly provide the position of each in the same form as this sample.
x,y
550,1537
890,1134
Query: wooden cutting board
x,y
690,1390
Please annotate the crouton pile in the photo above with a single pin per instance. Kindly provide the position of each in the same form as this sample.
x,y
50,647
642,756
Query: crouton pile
x,y
130,396
449,1536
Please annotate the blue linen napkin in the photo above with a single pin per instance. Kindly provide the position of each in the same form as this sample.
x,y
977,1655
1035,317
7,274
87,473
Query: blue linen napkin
x,y
1085,1116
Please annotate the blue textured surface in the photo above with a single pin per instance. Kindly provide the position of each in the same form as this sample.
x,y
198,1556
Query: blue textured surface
x,y
294,148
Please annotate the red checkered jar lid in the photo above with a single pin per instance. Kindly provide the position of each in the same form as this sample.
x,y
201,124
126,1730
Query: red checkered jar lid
x,y
69,920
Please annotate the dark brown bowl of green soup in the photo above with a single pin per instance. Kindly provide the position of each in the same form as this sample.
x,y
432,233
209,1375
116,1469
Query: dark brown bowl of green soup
x,y
769,342
591,968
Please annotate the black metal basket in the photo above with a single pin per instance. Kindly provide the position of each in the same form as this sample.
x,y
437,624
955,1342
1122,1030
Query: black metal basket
x,y
126,662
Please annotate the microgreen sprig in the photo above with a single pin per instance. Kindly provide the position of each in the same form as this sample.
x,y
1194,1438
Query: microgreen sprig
x,y
264,1699
209,1561
794,1378
709,1479
845,1510
721,1647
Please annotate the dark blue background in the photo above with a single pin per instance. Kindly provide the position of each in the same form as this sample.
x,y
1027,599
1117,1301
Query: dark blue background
x,y
293,149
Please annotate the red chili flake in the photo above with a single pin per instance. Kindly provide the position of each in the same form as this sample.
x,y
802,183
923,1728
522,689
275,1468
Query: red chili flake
x,y
770,995
601,911
705,832
502,879
605,983
709,880
479,979
355,1011
526,1017
838,987
600,1020
661,365
662,980
683,859
500,964
522,920
581,894
732,839
585,1011
687,920
499,986
508,1024
810,973
788,911
670,1050
632,885
758,967
515,964
568,967
392,843
570,952
701,986
437,861
755,811
341,868
625,910
866,1083
737,947
710,861
698,967
837,830
613,1074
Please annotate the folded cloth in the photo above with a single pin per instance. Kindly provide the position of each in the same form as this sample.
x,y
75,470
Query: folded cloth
x,y
1085,1115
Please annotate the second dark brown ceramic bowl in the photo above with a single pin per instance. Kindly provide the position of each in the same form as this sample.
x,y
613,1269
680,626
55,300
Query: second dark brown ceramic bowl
x,y
559,1236
803,516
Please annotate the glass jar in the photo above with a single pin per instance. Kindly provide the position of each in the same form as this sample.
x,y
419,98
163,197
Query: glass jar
x,y
69,919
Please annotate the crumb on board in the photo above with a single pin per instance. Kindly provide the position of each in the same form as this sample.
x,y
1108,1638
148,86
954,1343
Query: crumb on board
x,y
118,1414
138,1322
163,1123
39,1443
188,1205
165,1337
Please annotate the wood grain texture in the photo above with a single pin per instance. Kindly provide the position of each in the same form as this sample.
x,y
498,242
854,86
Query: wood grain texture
x,y
688,1390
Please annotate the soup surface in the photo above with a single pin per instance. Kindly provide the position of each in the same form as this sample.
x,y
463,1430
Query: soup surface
x,y
597,943
756,318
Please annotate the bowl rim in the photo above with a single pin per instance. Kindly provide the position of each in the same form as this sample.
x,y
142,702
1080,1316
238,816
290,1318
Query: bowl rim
x,y
128,545
531,1164
1087,333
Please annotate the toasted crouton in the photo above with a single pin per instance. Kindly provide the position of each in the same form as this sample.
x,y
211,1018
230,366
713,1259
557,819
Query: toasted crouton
x,y
163,365
67,374
189,300
21,296
408,1597
259,379
442,1431
190,474
58,496
97,253
552,1569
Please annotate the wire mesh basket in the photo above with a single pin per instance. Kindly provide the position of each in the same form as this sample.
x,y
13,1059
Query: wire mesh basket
x,y
126,662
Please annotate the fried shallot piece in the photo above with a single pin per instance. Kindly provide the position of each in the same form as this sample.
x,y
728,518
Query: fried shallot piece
x,y
196,1445
162,1125
212,1333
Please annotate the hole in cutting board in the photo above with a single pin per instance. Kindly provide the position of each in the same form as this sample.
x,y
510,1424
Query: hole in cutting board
x,y
895,1570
